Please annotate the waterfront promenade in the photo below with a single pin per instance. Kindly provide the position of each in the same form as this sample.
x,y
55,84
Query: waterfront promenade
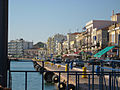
x,y
83,82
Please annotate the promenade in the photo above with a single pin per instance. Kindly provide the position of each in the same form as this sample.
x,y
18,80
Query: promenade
x,y
83,82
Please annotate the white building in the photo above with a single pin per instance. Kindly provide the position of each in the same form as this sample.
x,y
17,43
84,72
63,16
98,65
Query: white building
x,y
54,42
94,25
58,39
16,47
71,41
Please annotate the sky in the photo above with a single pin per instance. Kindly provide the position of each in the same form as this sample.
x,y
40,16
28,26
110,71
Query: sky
x,y
36,20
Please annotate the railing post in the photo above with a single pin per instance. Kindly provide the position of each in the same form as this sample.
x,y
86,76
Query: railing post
x,y
3,41
25,80
43,76
117,87
114,80
59,81
76,82
109,81
93,76
113,66
101,78
67,74
10,77
89,82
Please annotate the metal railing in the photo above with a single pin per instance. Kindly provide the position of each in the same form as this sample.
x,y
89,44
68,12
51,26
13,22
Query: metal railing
x,y
105,80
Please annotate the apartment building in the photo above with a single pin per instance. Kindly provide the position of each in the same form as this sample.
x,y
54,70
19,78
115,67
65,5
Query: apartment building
x,y
16,47
100,40
71,40
80,40
53,43
65,47
114,38
94,26
49,46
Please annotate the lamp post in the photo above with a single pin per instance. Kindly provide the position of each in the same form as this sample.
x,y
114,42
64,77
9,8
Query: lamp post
x,y
3,42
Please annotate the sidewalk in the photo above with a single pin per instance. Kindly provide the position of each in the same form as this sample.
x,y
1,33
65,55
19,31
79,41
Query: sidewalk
x,y
83,82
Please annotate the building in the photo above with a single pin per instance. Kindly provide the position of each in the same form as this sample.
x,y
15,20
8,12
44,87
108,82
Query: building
x,y
42,53
35,52
71,40
114,38
100,40
49,46
16,47
53,43
80,41
65,47
31,53
94,25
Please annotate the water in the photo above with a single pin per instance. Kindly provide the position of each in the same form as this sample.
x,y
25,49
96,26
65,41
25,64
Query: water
x,y
34,81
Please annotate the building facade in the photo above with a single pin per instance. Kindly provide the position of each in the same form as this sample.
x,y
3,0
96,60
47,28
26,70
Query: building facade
x,y
114,38
54,44
35,52
16,47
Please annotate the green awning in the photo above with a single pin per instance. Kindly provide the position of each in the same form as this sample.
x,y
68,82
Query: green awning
x,y
82,52
100,53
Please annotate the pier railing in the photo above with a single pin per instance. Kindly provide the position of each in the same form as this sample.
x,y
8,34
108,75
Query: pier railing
x,y
92,80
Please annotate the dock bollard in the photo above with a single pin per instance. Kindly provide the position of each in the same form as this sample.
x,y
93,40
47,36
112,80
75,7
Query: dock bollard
x,y
52,64
58,66
46,62
84,72
66,67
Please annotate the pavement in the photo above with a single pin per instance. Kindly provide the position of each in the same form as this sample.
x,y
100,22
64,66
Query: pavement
x,y
83,82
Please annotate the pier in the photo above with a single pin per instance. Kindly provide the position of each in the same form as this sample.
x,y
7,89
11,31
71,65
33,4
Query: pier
x,y
92,81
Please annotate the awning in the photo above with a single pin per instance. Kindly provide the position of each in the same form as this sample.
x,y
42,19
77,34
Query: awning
x,y
100,53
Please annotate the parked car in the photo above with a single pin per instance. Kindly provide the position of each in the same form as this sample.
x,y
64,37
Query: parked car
x,y
107,63
67,60
78,63
94,61
58,60
112,63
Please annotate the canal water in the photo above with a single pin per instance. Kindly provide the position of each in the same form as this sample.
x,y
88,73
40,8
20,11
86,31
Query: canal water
x,y
34,81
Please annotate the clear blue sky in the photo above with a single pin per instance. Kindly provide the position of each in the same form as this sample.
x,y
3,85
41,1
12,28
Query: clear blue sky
x,y
39,19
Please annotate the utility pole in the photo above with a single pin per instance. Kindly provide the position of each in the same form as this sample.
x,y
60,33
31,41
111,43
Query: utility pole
x,y
3,42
